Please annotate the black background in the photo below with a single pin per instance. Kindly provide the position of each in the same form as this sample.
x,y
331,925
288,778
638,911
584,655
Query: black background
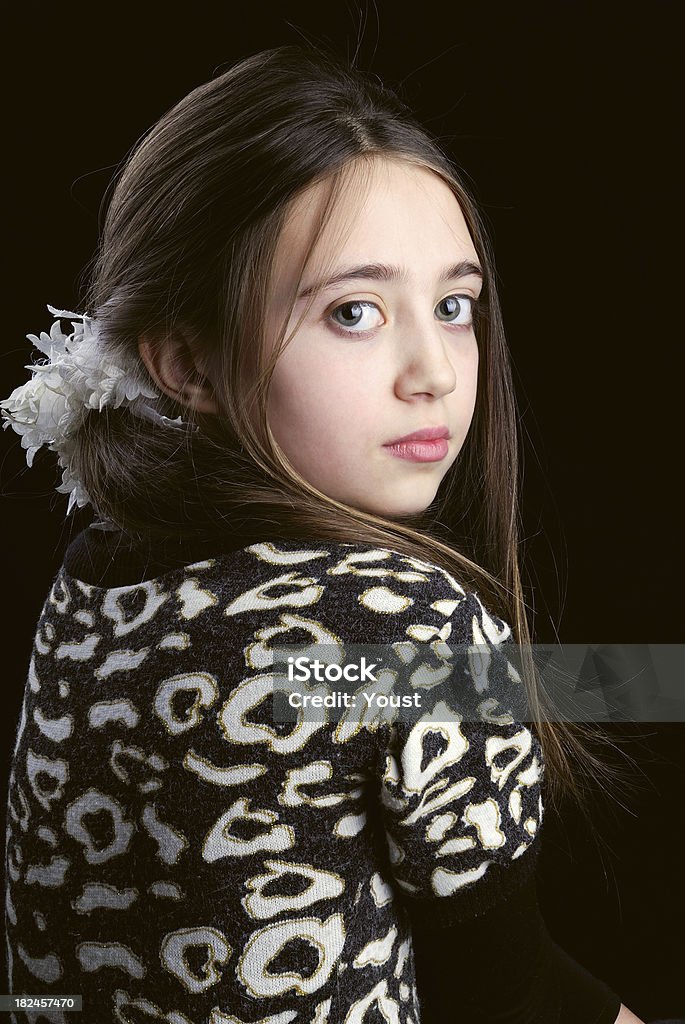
x,y
564,119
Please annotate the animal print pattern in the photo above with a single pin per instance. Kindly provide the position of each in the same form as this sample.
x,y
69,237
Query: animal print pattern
x,y
174,856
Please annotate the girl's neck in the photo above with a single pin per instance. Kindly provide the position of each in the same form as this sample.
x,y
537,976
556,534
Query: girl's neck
x,y
111,558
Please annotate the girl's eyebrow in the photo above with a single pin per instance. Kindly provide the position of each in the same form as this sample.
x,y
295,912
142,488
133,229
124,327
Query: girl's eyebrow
x,y
385,272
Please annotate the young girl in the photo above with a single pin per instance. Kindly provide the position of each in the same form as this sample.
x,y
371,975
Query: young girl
x,y
290,405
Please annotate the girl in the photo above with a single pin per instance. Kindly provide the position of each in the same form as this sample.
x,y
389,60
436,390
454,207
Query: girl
x,y
290,406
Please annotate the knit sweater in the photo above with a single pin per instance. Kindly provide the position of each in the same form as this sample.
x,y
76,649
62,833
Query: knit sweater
x,y
173,855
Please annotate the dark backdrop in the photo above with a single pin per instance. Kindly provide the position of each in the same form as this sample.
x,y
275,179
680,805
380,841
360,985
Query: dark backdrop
x,y
563,119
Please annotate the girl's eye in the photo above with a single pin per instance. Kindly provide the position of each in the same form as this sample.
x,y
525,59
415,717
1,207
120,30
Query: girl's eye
x,y
456,309
351,315
359,317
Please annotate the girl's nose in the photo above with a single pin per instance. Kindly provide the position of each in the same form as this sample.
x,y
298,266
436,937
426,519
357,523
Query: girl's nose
x,y
425,366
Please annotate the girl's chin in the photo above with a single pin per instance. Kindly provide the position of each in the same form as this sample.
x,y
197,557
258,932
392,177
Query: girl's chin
x,y
394,509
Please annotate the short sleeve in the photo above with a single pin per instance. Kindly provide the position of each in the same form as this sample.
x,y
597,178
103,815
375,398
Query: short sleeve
x,y
461,800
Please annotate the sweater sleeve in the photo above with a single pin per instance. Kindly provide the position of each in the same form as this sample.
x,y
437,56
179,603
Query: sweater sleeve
x,y
462,806
460,789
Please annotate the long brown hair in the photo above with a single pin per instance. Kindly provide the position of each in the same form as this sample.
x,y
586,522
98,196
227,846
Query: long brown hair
x,y
188,245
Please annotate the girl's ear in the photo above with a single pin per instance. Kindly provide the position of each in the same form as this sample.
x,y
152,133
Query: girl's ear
x,y
173,368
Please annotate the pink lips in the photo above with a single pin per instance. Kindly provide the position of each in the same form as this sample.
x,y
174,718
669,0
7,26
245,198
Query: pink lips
x,y
428,434
427,445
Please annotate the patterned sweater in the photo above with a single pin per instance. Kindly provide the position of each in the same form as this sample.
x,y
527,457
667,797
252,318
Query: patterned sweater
x,y
173,856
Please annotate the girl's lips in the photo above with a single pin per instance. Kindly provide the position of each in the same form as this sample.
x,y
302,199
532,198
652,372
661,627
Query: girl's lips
x,y
420,451
427,434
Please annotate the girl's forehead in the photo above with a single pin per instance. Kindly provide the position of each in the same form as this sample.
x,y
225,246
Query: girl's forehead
x,y
381,211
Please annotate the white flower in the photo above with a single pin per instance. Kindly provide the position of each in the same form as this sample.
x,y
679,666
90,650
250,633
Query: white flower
x,y
38,411
77,375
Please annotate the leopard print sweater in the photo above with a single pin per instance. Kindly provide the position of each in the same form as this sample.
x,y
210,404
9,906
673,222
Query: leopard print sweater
x,y
173,856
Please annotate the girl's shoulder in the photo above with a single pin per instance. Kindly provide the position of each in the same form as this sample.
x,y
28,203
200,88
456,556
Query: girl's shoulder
x,y
359,590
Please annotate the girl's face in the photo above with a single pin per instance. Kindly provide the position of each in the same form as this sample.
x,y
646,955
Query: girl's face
x,y
387,349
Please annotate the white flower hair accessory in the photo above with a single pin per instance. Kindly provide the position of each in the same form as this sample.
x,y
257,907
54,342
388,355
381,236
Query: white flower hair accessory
x,y
79,374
